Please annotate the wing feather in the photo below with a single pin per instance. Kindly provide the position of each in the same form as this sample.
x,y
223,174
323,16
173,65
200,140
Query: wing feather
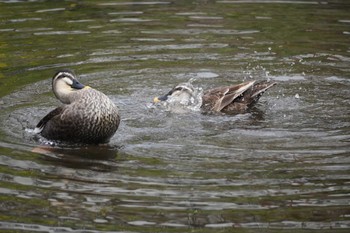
x,y
40,126
231,94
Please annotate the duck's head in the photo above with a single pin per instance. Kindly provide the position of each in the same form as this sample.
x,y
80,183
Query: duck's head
x,y
181,92
65,84
182,95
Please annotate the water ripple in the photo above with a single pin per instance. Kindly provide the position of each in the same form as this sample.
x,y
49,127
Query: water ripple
x,y
270,2
50,10
77,32
133,3
202,31
282,165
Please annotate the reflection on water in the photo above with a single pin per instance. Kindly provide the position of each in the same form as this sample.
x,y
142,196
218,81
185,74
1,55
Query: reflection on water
x,y
83,157
281,167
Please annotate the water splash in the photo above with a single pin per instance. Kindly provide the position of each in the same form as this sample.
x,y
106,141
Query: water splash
x,y
184,103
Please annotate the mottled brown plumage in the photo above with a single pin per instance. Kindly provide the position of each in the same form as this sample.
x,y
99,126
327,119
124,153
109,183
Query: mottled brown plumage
x,y
228,99
88,115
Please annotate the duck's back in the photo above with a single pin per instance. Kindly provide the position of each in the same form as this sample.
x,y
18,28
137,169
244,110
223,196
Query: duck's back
x,y
235,98
91,118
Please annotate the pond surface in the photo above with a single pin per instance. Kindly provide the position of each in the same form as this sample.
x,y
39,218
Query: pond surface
x,y
281,167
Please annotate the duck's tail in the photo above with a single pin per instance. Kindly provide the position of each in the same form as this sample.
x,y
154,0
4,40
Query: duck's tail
x,y
260,87
251,96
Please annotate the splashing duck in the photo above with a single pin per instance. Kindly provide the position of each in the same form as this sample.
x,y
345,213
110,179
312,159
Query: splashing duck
x,y
231,99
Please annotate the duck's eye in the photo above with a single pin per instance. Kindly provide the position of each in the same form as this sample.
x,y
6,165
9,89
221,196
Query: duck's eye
x,y
178,89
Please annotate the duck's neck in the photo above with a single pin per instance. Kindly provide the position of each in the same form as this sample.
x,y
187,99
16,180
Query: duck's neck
x,y
69,96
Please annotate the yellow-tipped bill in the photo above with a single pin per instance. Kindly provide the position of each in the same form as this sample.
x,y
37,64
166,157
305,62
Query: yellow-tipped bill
x,y
156,100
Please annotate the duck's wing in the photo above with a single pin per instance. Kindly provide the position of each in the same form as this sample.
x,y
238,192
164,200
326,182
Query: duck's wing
x,y
223,96
40,126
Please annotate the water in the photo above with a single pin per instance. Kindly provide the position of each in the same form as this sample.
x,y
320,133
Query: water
x,y
282,167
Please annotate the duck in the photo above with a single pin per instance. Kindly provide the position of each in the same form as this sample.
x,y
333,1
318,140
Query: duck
x,y
232,99
86,116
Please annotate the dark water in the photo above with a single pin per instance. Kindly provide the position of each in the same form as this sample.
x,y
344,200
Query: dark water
x,y
282,167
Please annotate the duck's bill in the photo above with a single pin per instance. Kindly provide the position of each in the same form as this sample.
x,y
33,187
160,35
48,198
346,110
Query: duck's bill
x,y
77,85
156,100
160,98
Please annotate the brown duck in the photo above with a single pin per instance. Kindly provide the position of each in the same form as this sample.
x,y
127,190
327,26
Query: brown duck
x,y
228,99
87,116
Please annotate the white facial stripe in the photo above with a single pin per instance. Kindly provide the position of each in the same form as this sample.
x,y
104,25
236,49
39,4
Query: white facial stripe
x,y
64,74
185,88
